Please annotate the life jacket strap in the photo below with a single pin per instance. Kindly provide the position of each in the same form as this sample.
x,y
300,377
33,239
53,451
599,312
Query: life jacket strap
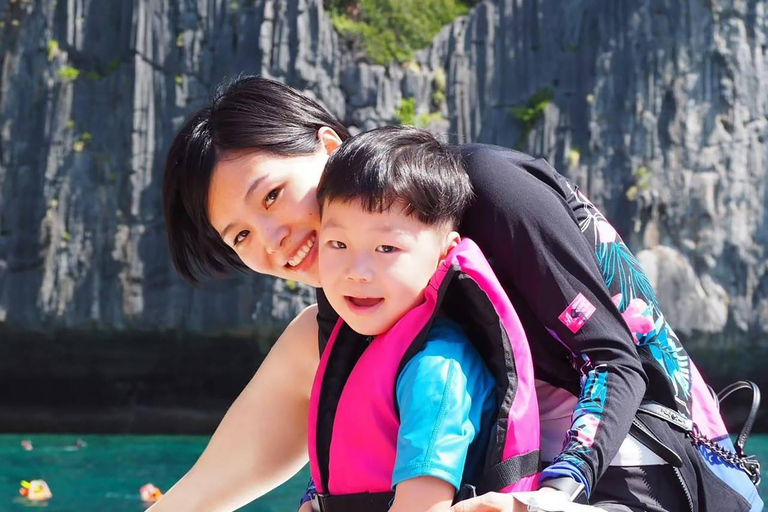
x,y
496,478
509,471
364,501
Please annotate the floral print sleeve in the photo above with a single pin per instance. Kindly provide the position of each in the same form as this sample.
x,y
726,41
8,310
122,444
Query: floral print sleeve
x,y
524,224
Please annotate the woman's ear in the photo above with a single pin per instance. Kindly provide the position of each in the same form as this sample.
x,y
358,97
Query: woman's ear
x,y
452,239
329,139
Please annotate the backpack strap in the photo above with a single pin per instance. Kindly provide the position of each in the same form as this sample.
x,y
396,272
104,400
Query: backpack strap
x,y
750,421
749,464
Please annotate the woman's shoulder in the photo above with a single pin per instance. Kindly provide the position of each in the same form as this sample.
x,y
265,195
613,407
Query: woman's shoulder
x,y
516,195
301,333
503,178
488,153
486,162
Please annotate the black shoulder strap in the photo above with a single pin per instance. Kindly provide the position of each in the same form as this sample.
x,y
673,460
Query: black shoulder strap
x,y
326,319
347,350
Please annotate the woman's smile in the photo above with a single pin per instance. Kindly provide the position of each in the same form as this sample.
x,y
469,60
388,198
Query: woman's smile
x,y
305,256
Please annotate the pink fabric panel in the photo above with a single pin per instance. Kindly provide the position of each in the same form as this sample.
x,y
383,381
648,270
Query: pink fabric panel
x,y
704,410
528,483
364,442
314,401
524,434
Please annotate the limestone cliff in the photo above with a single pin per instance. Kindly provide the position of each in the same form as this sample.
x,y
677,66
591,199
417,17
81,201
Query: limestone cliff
x,y
658,108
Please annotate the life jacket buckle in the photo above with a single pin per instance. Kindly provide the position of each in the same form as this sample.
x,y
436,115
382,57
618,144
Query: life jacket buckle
x,y
465,492
318,502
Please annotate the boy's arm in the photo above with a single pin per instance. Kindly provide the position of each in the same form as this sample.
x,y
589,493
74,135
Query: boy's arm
x,y
262,440
442,393
422,494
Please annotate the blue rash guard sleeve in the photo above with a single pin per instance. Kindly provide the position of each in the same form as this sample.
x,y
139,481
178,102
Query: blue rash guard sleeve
x,y
446,402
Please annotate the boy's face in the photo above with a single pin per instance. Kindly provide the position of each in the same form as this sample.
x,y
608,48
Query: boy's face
x,y
374,267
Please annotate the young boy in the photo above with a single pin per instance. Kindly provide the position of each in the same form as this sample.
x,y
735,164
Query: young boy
x,y
391,200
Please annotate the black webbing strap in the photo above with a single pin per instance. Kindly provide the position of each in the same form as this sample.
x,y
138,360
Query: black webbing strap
x,y
498,477
360,502
509,472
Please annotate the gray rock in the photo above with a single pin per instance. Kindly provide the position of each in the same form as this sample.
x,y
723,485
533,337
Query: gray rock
x,y
675,88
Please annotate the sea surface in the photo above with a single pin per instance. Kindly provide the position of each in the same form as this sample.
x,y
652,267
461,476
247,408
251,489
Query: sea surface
x,y
106,474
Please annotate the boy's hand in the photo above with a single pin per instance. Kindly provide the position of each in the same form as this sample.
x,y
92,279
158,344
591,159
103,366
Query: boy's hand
x,y
423,494
306,507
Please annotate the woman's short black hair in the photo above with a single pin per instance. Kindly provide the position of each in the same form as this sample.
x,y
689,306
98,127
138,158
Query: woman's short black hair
x,y
399,164
249,113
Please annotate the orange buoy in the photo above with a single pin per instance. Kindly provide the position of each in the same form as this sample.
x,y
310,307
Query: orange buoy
x,y
150,493
35,490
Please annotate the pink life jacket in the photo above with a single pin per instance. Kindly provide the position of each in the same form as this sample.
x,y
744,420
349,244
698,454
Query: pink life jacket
x,y
353,415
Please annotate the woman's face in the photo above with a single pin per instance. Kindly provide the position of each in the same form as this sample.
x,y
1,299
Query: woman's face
x,y
264,207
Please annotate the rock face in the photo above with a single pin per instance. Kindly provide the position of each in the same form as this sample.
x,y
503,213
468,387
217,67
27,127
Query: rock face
x,y
657,108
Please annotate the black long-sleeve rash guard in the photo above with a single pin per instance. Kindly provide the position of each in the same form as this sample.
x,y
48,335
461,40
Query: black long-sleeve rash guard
x,y
522,221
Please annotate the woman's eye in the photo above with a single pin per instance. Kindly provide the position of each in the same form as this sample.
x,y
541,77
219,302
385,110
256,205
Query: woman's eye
x,y
386,248
271,197
240,237
335,244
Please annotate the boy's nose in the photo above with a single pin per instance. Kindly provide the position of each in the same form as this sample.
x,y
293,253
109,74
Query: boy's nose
x,y
359,271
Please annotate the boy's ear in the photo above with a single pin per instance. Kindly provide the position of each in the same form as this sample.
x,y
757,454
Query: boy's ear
x,y
329,139
452,239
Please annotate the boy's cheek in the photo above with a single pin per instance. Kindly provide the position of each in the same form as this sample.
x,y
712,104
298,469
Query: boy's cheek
x,y
328,269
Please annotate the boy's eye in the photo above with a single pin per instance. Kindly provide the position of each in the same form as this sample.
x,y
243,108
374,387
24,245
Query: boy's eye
x,y
271,197
386,248
335,244
240,237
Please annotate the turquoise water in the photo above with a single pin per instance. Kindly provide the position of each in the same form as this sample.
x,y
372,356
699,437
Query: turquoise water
x,y
106,474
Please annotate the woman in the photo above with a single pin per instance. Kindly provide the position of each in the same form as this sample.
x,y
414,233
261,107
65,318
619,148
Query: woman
x,y
239,192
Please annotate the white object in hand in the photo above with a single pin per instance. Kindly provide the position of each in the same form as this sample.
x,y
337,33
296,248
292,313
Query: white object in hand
x,y
550,502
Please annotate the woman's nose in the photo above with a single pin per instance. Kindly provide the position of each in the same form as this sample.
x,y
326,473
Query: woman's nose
x,y
273,237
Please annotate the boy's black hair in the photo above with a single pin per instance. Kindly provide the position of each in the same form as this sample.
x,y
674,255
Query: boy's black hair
x,y
399,164
249,113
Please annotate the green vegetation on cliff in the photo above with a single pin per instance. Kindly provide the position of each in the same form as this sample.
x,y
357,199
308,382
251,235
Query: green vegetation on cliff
x,y
390,30
530,113
405,114
641,181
